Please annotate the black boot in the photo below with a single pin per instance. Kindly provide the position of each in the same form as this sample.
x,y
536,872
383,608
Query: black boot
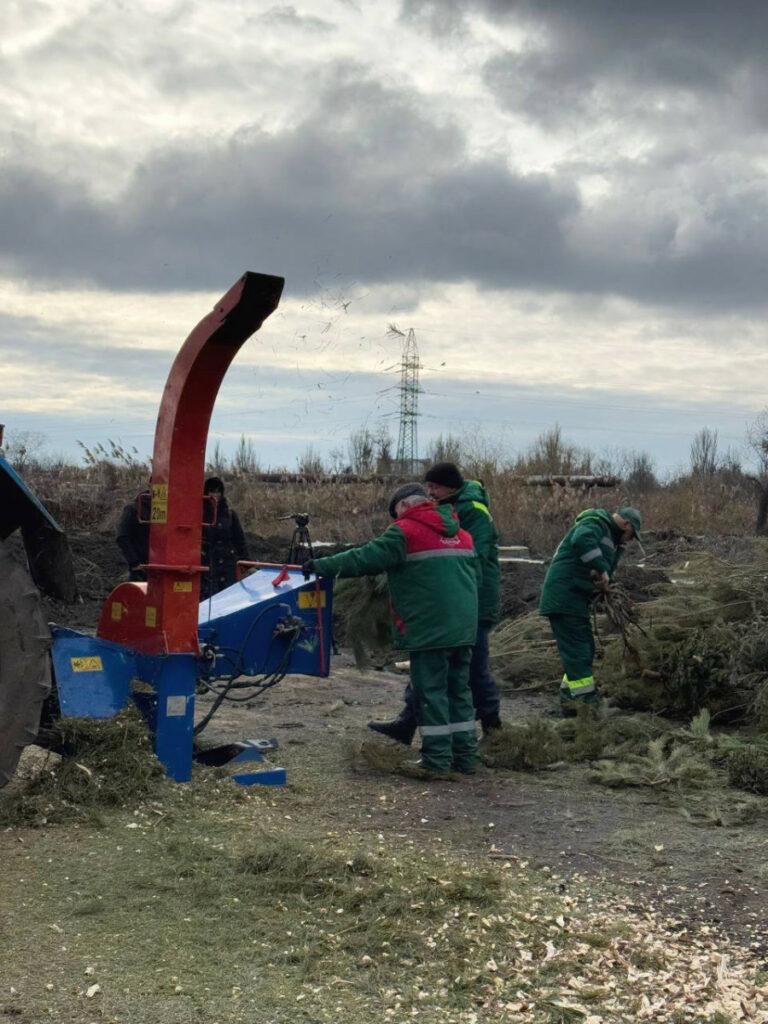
x,y
489,723
401,729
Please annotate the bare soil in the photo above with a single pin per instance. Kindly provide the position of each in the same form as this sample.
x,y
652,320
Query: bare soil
x,y
557,820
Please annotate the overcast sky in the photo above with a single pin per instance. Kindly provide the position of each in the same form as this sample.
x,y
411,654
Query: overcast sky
x,y
565,198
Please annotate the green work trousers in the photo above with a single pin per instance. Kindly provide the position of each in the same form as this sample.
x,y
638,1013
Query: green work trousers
x,y
576,647
444,709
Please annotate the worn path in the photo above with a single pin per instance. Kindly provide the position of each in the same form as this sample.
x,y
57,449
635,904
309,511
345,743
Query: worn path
x,y
556,820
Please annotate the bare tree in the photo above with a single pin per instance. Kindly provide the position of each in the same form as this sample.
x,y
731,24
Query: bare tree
x,y
641,473
550,453
705,459
310,462
22,447
217,461
361,448
245,461
385,454
447,448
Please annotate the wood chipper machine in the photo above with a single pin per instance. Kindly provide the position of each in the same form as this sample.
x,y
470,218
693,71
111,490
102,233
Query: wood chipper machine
x,y
156,644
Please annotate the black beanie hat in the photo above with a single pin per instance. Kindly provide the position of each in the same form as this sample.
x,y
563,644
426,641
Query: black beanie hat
x,y
445,473
404,492
213,483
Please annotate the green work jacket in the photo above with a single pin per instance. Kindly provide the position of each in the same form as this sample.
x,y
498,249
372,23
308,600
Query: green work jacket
x,y
592,544
472,507
431,568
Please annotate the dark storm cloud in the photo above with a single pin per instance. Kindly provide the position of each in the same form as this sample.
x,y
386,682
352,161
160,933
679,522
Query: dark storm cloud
x,y
370,188
583,54
706,33
685,220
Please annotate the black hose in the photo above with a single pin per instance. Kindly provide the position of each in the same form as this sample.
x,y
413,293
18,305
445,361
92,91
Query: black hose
x,y
267,682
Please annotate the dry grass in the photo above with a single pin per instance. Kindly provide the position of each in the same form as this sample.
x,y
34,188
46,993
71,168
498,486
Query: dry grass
x,y
89,497
104,764
379,755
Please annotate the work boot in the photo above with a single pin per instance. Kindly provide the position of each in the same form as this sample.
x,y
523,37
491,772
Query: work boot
x,y
570,707
489,723
400,729
417,770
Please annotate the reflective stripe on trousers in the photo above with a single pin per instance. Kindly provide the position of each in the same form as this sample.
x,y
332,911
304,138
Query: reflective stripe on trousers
x,y
447,730
577,687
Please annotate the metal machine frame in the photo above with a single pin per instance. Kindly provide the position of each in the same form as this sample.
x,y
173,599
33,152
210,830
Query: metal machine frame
x,y
155,642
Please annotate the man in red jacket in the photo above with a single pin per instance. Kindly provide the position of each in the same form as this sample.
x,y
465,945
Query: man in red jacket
x,y
431,569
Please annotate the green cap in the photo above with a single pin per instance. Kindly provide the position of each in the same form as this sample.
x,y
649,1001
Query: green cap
x,y
633,517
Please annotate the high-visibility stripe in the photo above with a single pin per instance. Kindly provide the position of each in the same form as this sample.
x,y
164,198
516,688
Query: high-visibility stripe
x,y
435,730
608,543
575,687
447,730
468,726
441,553
482,508
592,555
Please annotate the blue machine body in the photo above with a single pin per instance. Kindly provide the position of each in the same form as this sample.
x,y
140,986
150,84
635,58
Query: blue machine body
x,y
252,752
93,676
240,623
252,628
18,502
164,692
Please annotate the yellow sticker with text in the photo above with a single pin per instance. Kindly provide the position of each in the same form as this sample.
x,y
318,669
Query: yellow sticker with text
x,y
117,611
159,513
182,587
311,599
150,617
92,664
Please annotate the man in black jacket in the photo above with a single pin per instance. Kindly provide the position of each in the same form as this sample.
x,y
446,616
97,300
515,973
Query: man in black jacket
x,y
223,542
133,534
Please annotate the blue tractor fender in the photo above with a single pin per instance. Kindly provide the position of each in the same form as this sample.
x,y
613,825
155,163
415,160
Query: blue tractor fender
x,y
45,543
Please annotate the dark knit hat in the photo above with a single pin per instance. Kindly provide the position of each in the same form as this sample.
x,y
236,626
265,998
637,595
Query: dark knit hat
x,y
405,492
213,483
445,473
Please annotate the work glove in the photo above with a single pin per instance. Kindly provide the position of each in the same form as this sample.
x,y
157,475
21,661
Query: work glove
x,y
308,568
601,581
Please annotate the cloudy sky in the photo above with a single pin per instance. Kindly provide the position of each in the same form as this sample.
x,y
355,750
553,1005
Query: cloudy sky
x,y
566,199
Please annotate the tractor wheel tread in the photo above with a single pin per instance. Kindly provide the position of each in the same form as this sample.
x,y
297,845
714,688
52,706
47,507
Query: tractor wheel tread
x,y
25,673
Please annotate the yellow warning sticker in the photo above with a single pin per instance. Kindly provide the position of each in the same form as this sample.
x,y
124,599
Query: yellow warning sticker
x,y
311,599
117,611
182,587
92,664
159,513
150,617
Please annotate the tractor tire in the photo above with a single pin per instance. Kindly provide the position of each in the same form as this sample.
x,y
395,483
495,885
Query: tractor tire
x,y
25,670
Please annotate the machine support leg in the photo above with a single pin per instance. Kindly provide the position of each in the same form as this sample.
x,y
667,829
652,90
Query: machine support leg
x,y
173,677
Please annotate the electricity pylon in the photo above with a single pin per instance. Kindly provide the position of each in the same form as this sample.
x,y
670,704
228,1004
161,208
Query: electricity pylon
x,y
408,437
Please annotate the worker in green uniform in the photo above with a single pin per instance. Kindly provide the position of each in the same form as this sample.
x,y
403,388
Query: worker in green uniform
x,y
430,564
469,498
583,565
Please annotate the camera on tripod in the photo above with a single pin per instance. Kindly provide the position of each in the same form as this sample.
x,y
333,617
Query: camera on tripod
x,y
300,548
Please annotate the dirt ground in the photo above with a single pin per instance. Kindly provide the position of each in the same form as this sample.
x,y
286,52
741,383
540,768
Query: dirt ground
x,y
556,820
671,857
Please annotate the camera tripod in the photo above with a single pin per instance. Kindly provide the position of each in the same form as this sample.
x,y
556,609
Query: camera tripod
x,y
300,548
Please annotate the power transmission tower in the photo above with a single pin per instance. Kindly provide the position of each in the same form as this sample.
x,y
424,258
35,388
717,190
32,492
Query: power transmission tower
x,y
407,439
